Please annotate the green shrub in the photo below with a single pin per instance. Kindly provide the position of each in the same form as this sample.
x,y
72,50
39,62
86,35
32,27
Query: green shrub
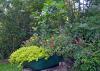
x,y
87,59
33,40
59,44
28,54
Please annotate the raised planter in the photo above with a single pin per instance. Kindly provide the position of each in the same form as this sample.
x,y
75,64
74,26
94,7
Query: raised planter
x,y
43,64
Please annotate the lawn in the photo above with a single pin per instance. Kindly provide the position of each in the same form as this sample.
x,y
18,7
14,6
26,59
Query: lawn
x,y
9,67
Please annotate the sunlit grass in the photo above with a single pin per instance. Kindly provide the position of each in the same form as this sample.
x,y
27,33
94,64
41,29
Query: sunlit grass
x,y
9,67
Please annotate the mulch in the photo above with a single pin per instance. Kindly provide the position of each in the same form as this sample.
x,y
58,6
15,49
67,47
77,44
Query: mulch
x,y
5,61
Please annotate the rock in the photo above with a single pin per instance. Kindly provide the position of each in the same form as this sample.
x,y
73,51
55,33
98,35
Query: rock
x,y
27,69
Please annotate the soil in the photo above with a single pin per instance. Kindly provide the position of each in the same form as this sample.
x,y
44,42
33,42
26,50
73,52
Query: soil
x,y
5,61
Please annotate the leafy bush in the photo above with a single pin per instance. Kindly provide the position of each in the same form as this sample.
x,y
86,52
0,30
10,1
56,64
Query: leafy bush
x,y
14,26
28,54
87,59
58,44
33,40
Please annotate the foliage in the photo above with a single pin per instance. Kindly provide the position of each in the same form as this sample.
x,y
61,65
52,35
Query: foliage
x,y
87,36
49,21
11,36
50,18
15,25
28,54
56,25
58,44
87,59
33,40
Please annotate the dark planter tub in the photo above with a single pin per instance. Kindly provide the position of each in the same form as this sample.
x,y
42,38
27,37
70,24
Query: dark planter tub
x,y
43,64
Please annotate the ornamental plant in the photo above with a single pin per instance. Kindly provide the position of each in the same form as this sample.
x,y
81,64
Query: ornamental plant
x,y
28,54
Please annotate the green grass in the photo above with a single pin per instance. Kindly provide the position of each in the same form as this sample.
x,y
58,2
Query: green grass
x,y
9,67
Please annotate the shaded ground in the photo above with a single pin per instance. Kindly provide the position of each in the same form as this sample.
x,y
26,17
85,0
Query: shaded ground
x,y
5,61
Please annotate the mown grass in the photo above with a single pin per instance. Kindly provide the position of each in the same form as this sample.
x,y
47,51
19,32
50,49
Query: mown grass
x,y
9,67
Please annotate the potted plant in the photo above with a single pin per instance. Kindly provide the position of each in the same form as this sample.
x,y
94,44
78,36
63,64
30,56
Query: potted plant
x,y
34,57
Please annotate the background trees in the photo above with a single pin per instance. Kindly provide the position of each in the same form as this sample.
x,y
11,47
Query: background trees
x,y
15,26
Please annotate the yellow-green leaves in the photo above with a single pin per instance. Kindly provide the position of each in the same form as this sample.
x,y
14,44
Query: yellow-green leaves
x,y
28,54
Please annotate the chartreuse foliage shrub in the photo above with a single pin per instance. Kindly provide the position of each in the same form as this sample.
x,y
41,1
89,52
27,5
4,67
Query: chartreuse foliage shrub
x,y
28,54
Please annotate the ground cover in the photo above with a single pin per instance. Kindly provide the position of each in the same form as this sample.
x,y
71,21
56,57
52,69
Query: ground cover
x,y
9,67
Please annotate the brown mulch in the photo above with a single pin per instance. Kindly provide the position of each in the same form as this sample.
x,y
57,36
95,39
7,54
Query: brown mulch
x,y
5,61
